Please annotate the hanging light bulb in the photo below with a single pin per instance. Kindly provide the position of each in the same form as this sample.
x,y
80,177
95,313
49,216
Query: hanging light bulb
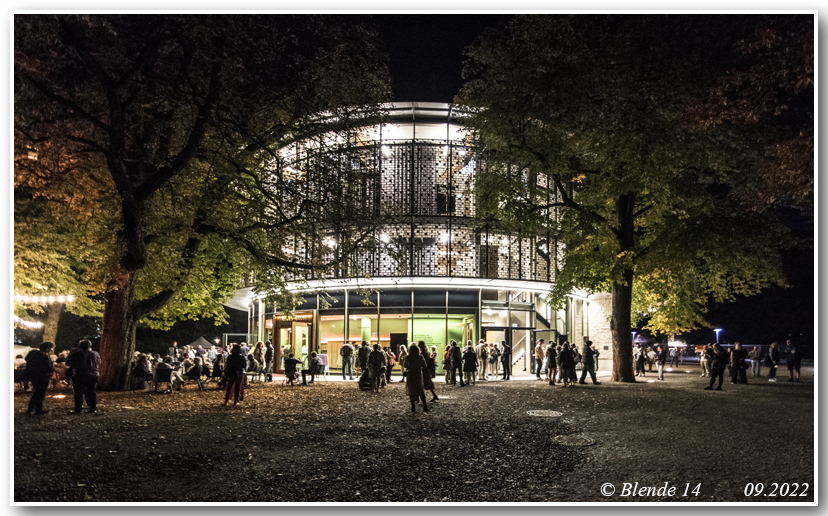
x,y
61,299
70,298
26,299
51,299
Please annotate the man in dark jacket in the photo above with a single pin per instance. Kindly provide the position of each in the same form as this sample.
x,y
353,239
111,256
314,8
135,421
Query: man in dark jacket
x,y
718,364
269,352
589,363
456,364
86,366
793,359
661,359
39,369
506,358
362,355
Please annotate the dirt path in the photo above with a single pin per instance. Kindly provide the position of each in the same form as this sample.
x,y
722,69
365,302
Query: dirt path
x,y
335,443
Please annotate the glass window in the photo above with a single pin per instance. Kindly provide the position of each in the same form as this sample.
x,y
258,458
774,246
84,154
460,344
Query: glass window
x,y
331,337
497,317
361,304
460,298
363,327
396,298
520,318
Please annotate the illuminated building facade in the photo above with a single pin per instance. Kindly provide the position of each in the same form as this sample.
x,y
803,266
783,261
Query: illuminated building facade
x,y
435,276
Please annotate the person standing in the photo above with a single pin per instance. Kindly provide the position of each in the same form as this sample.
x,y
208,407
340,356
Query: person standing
x,y
738,373
347,354
456,364
482,352
392,359
362,357
494,360
640,357
772,361
793,359
755,357
704,362
234,372
469,364
415,377
539,354
506,358
39,370
674,357
429,358
566,361
377,362
402,356
718,364
551,363
86,366
244,350
268,355
433,364
589,363
661,359
173,351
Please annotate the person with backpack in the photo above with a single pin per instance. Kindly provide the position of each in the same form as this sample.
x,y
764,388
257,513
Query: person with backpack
x,y
674,357
347,354
85,366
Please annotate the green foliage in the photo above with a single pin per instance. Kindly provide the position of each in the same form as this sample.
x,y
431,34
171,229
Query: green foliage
x,y
587,125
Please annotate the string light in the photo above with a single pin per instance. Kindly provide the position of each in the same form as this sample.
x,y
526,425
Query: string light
x,y
44,299
26,324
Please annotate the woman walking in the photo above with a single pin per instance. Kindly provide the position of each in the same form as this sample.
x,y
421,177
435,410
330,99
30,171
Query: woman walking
x,y
415,378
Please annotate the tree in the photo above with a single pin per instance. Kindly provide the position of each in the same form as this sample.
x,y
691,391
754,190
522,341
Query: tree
x,y
181,117
587,122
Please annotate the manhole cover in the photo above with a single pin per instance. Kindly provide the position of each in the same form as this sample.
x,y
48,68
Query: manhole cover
x,y
574,440
544,413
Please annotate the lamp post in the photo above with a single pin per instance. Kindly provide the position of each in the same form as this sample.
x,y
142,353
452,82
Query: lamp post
x,y
717,330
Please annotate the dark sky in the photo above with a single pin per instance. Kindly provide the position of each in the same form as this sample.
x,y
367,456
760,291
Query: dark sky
x,y
426,52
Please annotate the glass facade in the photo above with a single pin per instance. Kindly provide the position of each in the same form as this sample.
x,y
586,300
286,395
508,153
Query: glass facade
x,y
465,281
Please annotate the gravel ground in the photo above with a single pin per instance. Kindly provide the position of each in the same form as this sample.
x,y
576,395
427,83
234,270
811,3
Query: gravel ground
x,y
333,442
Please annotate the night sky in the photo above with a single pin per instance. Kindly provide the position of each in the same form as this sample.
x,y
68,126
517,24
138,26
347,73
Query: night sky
x,y
426,61
426,52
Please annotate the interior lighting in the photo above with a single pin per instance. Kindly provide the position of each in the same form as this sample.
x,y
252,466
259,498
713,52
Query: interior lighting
x,y
444,237
461,152
386,150
384,238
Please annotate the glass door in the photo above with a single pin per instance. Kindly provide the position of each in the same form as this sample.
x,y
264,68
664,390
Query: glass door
x,y
300,342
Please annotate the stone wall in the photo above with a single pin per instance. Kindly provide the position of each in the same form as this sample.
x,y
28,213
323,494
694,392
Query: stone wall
x,y
600,309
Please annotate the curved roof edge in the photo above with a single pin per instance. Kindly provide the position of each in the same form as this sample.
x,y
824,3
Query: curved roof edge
x,y
423,111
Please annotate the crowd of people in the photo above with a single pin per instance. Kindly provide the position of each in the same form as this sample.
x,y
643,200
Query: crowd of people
x,y
231,367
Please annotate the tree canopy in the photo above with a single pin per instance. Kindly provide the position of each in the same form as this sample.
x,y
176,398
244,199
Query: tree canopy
x,y
592,130
180,119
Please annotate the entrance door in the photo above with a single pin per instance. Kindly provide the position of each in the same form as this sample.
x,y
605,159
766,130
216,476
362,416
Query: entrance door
x,y
300,342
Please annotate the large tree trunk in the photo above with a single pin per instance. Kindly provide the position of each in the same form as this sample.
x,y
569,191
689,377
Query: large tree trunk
x,y
620,325
622,358
50,328
118,333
